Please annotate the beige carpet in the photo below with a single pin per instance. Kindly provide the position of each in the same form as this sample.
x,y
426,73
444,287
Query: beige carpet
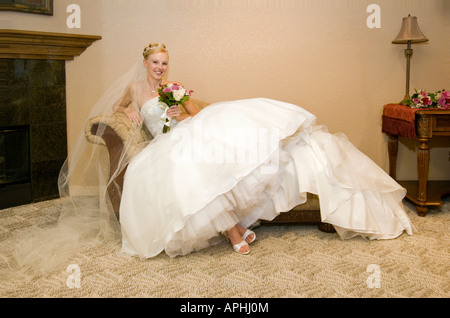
x,y
295,261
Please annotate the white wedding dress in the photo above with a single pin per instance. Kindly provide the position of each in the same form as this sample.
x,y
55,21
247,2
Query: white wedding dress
x,y
246,160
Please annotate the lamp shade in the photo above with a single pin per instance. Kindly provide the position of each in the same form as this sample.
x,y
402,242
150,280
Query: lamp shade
x,y
410,32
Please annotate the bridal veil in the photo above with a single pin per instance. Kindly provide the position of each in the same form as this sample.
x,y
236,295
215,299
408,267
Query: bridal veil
x,y
86,215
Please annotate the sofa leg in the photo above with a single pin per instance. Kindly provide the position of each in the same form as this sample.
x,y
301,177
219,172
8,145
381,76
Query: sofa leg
x,y
326,227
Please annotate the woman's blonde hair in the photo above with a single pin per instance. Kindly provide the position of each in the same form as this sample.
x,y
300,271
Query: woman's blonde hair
x,y
153,48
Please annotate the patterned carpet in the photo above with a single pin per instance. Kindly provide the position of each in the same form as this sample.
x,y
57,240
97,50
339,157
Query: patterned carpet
x,y
288,261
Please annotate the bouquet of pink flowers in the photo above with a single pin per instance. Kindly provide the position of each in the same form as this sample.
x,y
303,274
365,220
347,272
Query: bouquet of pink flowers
x,y
423,99
170,95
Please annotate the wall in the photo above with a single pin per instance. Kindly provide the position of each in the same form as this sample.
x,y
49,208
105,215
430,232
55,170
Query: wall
x,y
320,55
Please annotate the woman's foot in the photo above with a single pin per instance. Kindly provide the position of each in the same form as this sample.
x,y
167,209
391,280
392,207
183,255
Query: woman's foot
x,y
242,248
239,245
248,235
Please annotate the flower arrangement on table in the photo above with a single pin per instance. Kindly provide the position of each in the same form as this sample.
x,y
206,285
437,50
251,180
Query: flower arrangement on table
x,y
423,99
172,94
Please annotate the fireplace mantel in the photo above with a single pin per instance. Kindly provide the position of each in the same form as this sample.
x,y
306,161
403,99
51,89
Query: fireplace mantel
x,y
43,45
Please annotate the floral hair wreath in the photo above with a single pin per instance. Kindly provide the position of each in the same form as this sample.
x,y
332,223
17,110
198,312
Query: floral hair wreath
x,y
153,46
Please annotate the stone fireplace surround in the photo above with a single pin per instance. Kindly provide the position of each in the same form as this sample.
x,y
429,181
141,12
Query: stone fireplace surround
x,y
33,95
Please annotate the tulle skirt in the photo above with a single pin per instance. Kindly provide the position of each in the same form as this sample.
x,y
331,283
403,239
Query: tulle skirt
x,y
242,161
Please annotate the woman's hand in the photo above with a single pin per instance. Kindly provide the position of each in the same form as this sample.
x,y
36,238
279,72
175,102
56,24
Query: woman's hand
x,y
175,113
133,115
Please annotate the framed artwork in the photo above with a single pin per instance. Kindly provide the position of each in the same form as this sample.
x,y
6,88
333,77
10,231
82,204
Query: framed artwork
x,y
30,6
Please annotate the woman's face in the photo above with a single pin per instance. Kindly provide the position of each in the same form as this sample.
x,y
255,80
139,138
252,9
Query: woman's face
x,y
156,65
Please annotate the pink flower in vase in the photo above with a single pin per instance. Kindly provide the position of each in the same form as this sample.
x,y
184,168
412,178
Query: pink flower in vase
x,y
446,95
444,99
444,103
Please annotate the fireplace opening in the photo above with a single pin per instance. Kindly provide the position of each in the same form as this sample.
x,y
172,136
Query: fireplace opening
x,y
15,171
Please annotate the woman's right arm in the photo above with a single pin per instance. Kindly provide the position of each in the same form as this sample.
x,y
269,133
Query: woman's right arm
x,y
124,107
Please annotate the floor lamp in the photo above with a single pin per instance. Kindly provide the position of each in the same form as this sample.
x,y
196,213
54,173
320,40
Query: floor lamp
x,y
409,33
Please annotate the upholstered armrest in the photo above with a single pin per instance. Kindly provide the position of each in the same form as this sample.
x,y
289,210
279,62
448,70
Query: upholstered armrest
x,y
113,132
114,145
130,134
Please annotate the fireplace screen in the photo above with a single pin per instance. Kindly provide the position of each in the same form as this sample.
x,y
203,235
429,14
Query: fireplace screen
x,y
14,155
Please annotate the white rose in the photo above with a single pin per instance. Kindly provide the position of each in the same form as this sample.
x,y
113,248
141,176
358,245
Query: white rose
x,y
179,94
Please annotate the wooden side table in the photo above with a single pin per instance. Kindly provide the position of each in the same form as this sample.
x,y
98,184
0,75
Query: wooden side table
x,y
423,193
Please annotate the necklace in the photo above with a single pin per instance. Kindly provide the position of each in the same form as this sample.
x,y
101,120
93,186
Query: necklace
x,y
151,90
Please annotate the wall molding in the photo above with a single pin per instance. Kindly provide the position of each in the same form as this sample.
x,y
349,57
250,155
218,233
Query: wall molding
x,y
43,45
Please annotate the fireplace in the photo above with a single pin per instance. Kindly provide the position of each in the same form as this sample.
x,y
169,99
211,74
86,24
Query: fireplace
x,y
33,133
33,127
14,155
15,171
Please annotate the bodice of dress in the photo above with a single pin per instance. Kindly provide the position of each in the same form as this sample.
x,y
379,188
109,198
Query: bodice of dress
x,y
152,113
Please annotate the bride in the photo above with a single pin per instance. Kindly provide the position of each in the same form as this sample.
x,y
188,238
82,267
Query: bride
x,y
220,170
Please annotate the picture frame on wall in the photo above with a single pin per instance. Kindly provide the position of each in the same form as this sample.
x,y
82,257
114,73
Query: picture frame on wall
x,y
28,6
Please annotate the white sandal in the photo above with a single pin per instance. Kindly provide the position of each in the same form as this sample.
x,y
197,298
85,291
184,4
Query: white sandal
x,y
237,248
247,233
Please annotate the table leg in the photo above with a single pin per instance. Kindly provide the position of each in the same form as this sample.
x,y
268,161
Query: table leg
x,y
423,162
393,151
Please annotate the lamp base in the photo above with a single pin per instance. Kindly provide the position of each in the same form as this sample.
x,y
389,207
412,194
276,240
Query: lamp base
x,y
405,100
